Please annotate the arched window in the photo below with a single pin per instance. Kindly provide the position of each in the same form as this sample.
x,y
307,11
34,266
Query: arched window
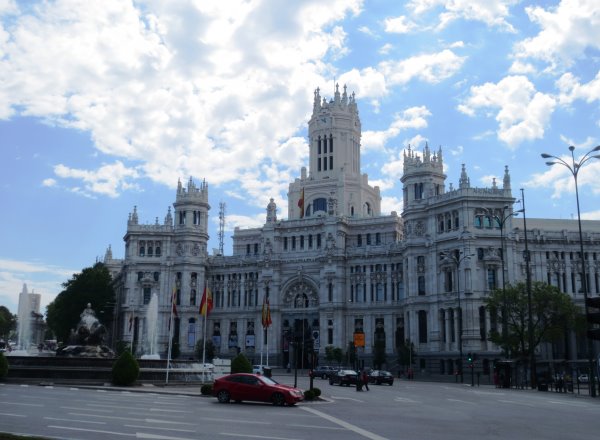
x,y
319,204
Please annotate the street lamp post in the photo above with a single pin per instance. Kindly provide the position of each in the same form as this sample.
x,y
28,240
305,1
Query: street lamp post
x,y
502,223
574,168
532,364
457,257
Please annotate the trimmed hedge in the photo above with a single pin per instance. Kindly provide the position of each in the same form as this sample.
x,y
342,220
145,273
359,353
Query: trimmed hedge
x,y
206,389
3,366
125,370
241,364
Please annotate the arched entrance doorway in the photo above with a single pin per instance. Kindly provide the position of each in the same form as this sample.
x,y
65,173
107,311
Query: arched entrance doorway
x,y
300,321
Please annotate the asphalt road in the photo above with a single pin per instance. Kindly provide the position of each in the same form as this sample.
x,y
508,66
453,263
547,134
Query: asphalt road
x,y
406,410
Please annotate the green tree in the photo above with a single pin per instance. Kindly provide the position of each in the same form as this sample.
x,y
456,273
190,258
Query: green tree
x,y
553,312
329,354
93,286
8,323
338,355
406,352
209,350
241,364
379,357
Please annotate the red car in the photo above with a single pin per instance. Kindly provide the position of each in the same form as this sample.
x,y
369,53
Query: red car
x,y
255,387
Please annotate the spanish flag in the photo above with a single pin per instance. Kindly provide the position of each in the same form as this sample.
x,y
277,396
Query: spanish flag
x,y
174,302
266,313
301,203
206,304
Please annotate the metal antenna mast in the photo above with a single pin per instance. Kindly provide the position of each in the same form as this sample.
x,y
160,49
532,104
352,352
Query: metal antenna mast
x,y
221,226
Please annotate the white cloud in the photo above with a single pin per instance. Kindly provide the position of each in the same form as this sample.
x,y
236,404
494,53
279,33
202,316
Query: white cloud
x,y
180,88
367,31
488,179
389,204
493,13
49,182
385,49
411,118
571,89
106,180
523,113
519,67
431,68
567,30
399,25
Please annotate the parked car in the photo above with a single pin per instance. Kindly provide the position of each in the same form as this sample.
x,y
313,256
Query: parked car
x,y
323,371
343,377
258,369
380,376
255,387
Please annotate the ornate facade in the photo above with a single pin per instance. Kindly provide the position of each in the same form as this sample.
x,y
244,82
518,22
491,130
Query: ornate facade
x,y
337,267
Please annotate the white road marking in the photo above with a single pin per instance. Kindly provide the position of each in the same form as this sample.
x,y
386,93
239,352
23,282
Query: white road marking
x,y
347,398
157,436
91,430
74,420
461,401
84,409
251,422
231,434
348,426
170,410
164,429
335,428
147,420
22,404
514,402
405,400
12,415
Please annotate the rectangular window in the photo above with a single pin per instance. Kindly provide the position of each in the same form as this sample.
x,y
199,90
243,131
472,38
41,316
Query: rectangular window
x,y
318,164
421,285
302,242
318,241
147,295
491,279
368,239
422,326
330,292
330,162
256,249
310,244
293,242
377,238
285,244
359,240
247,249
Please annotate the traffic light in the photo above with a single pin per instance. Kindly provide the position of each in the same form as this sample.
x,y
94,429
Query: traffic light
x,y
470,359
593,317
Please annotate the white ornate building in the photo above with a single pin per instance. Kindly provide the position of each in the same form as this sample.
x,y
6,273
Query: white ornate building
x,y
337,266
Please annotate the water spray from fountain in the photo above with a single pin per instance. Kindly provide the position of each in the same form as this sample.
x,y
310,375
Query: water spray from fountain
x,y
152,329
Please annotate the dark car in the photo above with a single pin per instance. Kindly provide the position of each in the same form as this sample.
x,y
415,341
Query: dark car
x,y
379,376
323,371
256,388
343,377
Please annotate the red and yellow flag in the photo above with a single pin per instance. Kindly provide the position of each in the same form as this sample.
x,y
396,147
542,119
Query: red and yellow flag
x,y
266,313
206,305
301,203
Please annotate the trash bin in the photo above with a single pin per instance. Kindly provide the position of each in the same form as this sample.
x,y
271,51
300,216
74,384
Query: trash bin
x,y
267,371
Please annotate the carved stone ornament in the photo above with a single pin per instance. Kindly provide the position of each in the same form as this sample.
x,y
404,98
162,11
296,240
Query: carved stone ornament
x,y
179,250
297,294
196,250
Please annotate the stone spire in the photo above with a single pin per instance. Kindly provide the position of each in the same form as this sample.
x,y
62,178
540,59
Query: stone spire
x,y
169,218
464,181
506,182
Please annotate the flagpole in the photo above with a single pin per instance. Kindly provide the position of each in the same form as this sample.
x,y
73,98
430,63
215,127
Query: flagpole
x,y
171,325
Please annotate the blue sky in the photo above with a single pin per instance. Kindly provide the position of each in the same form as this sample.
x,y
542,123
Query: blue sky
x,y
104,105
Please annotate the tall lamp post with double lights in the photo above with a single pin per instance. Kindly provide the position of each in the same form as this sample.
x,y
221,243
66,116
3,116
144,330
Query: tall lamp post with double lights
x,y
502,222
574,168
457,257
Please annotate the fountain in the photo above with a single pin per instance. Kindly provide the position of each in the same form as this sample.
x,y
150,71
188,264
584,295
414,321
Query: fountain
x,y
87,340
152,329
24,324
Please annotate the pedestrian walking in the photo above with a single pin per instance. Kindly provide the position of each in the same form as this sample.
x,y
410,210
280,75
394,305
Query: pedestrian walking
x,y
365,379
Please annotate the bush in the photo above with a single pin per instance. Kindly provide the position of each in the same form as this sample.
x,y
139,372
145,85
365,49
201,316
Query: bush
x,y
241,364
317,391
309,395
3,366
125,370
122,346
206,389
